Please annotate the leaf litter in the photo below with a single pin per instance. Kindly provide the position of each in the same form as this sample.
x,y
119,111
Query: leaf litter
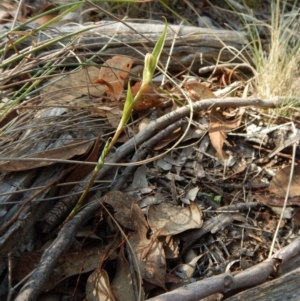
x,y
154,239
180,218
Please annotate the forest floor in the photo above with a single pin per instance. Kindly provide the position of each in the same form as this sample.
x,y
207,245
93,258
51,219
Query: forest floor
x,y
199,196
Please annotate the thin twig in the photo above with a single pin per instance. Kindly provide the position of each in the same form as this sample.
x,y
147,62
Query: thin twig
x,y
285,201
10,266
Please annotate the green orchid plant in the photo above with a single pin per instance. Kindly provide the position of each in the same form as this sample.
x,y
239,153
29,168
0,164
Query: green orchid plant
x,y
151,61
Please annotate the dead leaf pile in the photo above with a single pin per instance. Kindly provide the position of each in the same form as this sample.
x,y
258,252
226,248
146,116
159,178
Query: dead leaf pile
x,y
146,239
153,238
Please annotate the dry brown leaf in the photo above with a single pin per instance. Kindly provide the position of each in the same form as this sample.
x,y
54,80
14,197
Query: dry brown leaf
x,y
25,264
279,183
40,7
150,98
228,76
219,121
171,278
122,284
112,111
34,8
219,125
274,201
65,152
172,137
102,110
276,204
171,246
8,12
140,178
197,91
144,123
113,74
296,217
98,288
187,269
113,119
46,18
166,219
217,133
122,205
73,86
72,263
82,170
148,251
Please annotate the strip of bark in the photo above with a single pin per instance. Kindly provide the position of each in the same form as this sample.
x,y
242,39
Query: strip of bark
x,y
34,285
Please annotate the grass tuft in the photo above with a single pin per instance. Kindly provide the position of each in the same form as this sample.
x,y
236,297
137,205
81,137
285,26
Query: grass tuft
x,y
277,64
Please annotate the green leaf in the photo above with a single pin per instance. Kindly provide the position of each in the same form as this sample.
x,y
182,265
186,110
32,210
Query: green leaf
x,y
151,59
149,68
160,43
128,106
218,199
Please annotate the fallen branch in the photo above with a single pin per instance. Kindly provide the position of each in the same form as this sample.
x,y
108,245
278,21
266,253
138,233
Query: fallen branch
x,y
194,47
62,208
34,285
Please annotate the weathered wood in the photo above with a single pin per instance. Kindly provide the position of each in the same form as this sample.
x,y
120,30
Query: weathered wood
x,y
194,47
283,288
